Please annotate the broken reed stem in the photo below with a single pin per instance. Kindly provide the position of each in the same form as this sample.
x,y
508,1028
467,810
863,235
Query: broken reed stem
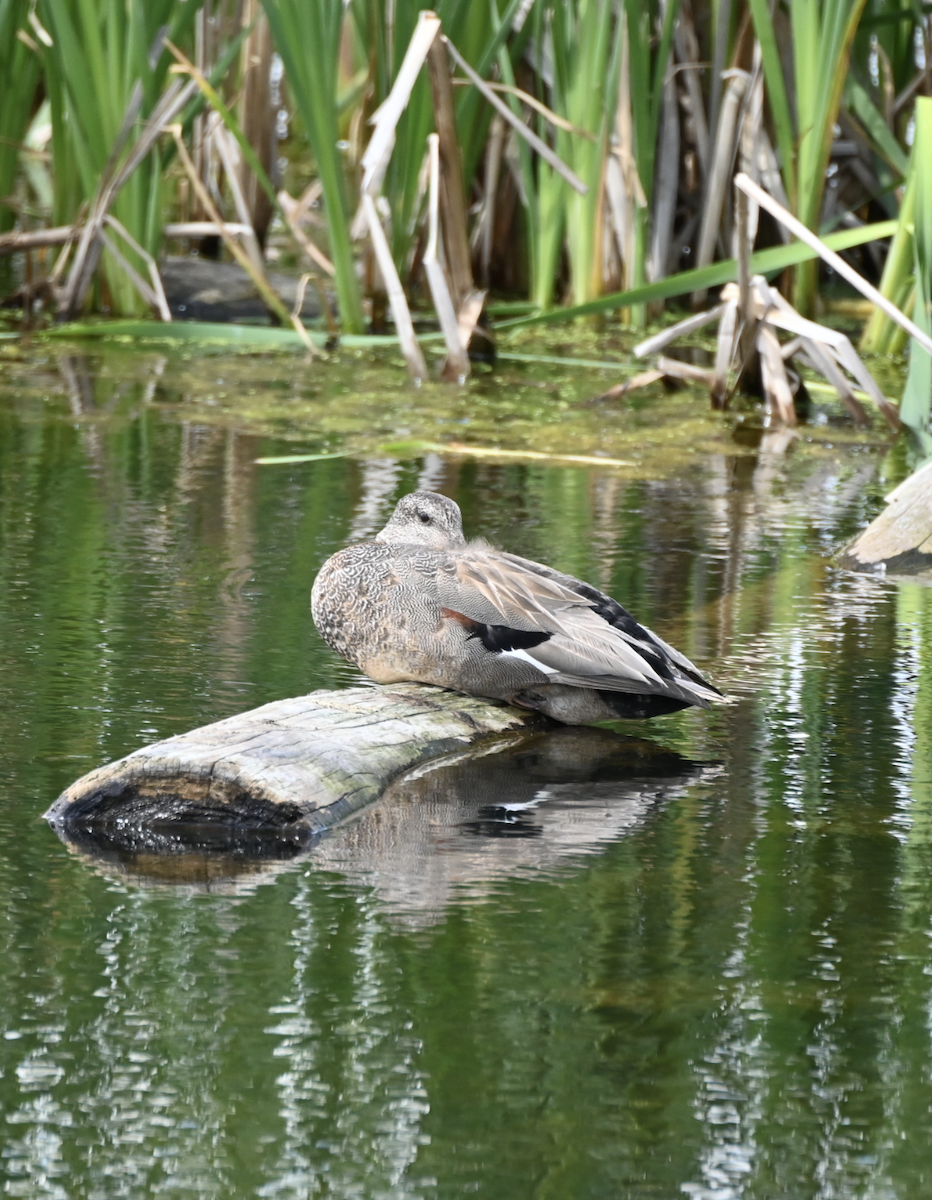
x,y
724,353
834,260
743,254
548,114
263,287
89,246
36,239
156,291
299,294
468,317
396,294
588,460
457,364
773,372
644,379
453,191
222,139
680,329
293,211
516,123
374,161
719,171
748,365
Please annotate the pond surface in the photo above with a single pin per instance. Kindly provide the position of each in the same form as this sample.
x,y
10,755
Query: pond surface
x,y
687,957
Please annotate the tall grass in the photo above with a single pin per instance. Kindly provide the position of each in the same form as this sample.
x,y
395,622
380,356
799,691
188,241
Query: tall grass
x,y
99,52
379,34
308,37
19,73
805,113
917,396
629,93
586,43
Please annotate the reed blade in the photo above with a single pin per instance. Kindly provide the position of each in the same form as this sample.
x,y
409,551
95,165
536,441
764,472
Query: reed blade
x,y
19,72
308,37
917,396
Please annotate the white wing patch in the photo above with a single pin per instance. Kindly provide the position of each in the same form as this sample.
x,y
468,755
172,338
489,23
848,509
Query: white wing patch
x,y
525,657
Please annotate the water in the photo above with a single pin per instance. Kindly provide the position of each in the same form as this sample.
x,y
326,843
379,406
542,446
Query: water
x,y
695,962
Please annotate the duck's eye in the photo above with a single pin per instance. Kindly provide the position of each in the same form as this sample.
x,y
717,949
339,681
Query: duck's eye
x,y
424,518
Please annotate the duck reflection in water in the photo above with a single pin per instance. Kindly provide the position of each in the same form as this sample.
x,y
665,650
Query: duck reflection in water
x,y
459,828
528,804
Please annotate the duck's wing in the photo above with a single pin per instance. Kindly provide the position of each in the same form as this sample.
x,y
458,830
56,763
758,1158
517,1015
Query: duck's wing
x,y
648,642
557,623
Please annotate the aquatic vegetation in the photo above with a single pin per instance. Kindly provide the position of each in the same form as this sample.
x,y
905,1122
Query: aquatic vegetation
x,y
19,71
649,108
308,37
104,68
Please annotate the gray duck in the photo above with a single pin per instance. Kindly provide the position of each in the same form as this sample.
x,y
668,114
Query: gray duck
x,y
421,604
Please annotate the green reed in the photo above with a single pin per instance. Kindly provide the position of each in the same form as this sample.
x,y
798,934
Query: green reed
x,y
99,51
805,112
917,396
19,72
612,71
308,37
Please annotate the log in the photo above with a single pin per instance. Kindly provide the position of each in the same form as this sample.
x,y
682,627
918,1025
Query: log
x,y
524,804
900,539
290,769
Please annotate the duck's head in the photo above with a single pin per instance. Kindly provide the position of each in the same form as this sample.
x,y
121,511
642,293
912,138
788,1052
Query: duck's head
x,y
425,519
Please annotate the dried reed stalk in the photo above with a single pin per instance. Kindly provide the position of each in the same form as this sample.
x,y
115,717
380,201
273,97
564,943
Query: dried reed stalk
x,y
835,261
450,166
457,362
404,327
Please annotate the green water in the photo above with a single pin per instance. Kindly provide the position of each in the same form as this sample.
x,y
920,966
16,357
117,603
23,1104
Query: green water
x,y
693,964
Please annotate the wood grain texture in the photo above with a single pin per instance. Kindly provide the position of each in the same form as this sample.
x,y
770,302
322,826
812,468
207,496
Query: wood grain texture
x,y
303,763
900,538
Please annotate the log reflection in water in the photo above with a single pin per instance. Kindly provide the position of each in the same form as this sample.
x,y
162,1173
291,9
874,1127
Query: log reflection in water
x,y
449,829
198,858
457,828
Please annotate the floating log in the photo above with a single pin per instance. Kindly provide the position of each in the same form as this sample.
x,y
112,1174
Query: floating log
x,y
522,804
900,539
291,768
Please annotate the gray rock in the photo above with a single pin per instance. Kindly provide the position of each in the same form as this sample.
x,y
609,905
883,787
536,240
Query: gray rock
x,y
199,289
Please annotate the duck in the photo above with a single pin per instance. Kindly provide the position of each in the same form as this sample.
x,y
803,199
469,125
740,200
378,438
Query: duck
x,y
419,603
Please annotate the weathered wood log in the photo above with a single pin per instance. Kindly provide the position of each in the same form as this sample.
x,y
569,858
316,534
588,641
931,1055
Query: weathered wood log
x,y
293,767
522,803
900,539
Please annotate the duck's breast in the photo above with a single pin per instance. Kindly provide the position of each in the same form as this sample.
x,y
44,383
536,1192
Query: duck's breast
x,y
377,606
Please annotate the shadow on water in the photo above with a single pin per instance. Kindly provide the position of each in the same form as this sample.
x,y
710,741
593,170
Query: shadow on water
x,y
451,828
203,858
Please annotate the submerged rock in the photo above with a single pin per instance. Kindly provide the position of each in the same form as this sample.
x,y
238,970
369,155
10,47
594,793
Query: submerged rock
x,y
200,289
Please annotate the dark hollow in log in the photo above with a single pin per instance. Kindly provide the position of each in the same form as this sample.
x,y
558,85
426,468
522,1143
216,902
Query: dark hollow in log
x,y
293,767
